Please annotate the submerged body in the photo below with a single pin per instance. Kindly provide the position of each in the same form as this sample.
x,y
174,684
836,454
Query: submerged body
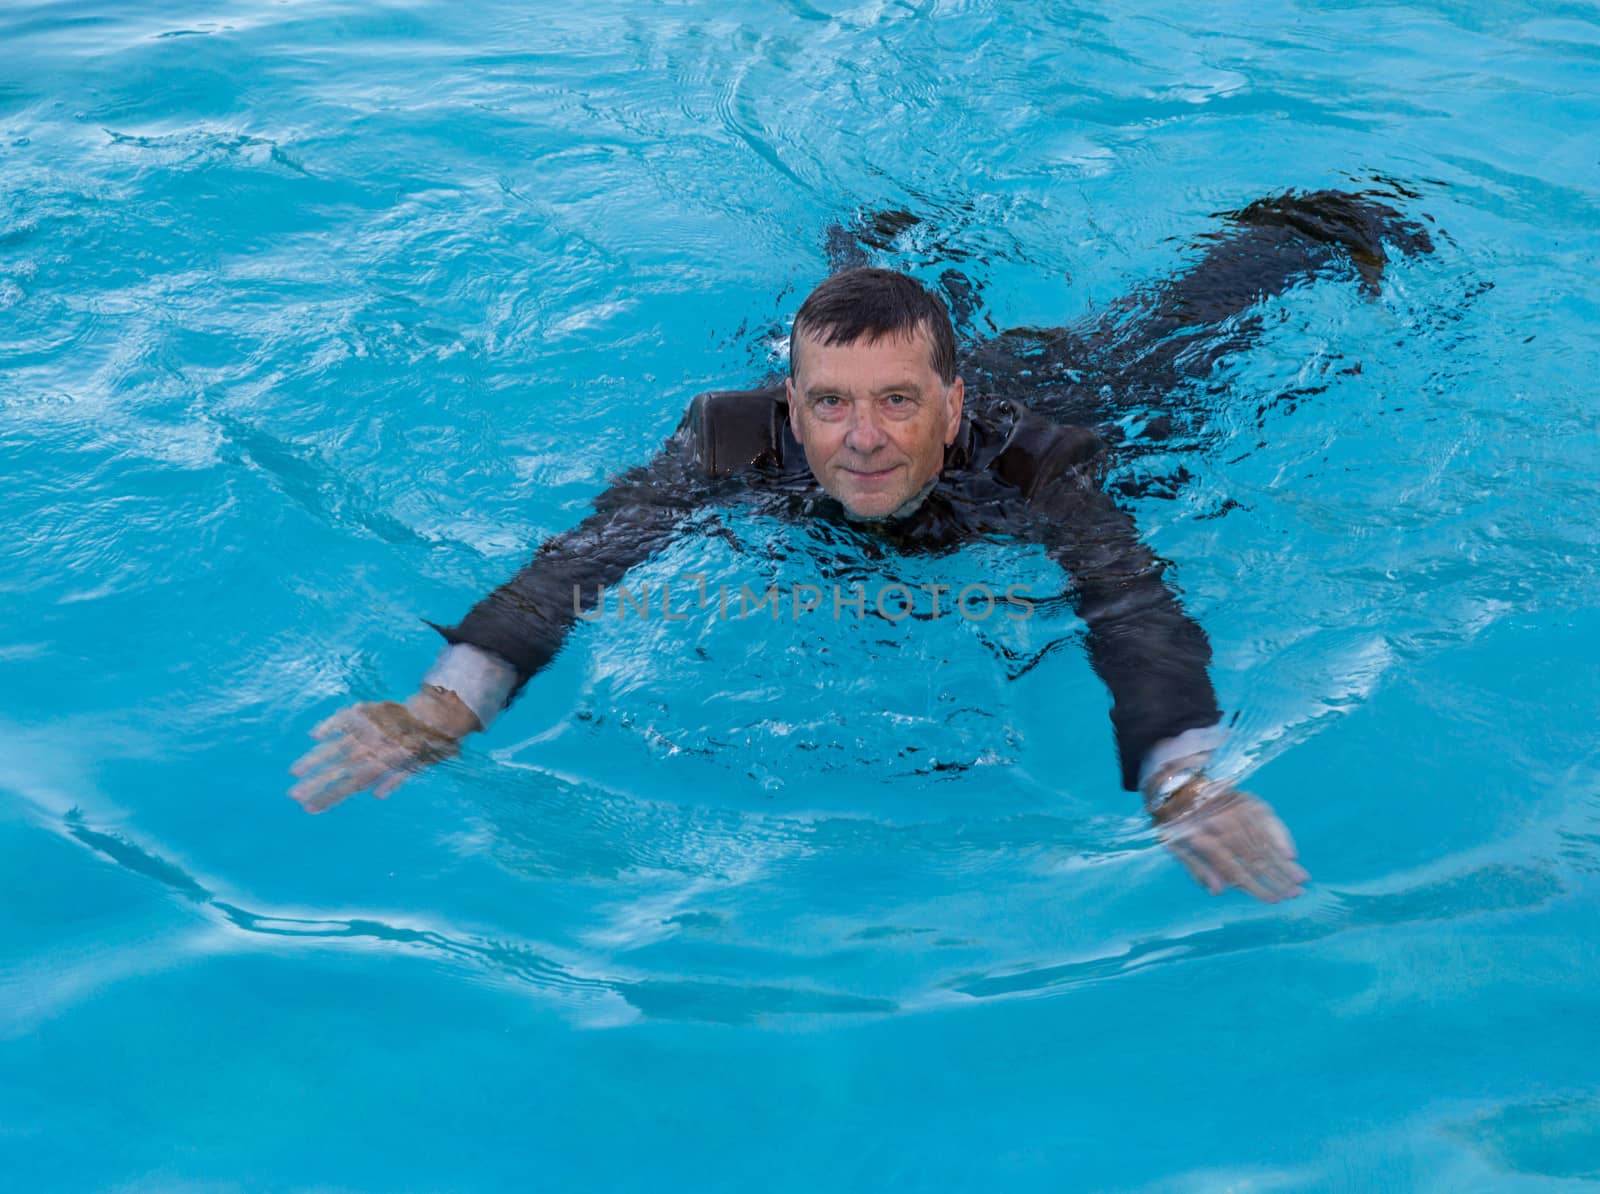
x,y
873,426
1007,474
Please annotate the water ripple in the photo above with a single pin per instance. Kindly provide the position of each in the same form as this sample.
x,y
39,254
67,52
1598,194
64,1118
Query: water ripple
x,y
541,970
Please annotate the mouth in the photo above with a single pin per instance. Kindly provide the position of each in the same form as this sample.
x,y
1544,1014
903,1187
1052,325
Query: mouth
x,y
882,474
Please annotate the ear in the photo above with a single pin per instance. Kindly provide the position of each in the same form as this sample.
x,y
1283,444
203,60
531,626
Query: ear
x,y
794,411
954,397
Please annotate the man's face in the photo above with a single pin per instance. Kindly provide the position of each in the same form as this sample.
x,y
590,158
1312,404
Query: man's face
x,y
874,418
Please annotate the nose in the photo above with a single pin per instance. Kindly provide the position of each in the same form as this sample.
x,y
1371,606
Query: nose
x,y
865,434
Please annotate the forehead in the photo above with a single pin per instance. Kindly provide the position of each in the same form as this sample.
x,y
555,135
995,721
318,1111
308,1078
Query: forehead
x,y
903,356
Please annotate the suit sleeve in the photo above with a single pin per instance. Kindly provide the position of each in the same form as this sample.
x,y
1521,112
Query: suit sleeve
x,y
525,621
1149,653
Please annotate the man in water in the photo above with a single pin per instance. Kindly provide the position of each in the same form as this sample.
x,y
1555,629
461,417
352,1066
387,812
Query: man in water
x,y
874,428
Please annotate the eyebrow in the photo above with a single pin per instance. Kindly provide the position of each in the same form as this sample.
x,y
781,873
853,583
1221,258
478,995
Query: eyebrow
x,y
900,387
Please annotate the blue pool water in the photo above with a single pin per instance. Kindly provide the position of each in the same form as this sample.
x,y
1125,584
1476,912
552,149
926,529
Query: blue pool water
x,y
316,317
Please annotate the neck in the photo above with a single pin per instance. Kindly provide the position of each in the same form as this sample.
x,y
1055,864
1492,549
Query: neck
x,y
909,506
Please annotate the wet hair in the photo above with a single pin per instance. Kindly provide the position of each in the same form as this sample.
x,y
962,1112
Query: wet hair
x,y
870,304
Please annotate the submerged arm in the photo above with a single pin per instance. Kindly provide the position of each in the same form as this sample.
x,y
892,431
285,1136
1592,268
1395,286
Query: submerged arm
x,y
1149,653
524,622
508,636
1153,658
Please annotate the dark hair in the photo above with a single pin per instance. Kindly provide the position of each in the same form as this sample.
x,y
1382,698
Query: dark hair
x,y
872,304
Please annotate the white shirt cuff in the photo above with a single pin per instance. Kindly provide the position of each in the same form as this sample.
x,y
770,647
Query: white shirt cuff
x,y
482,679
1198,742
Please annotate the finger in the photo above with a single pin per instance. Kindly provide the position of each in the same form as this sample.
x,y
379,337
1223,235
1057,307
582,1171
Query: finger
x,y
368,741
386,738
316,757
1268,857
1250,875
1209,854
1202,871
1258,853
1283,872
329,767
1250,883
312,793
334,724
1280,835
318,799
358,778
1281,882
328,787
1235,839
366,728
1280,851
1241,829
307,794
389,783
1220,855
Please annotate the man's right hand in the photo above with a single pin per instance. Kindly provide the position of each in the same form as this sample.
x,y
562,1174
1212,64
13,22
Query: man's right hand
x,y
378,744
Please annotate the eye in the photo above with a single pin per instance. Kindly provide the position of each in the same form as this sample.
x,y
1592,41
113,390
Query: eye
x,y
897,400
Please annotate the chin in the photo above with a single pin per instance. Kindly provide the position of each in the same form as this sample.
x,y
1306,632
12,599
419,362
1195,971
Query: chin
x,y
874,507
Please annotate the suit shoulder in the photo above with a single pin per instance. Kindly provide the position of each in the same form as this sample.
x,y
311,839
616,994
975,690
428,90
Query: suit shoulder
x,y
1039,452
732,430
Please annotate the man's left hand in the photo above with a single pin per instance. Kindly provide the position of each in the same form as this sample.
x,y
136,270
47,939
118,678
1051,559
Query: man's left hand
x,y
1228,838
